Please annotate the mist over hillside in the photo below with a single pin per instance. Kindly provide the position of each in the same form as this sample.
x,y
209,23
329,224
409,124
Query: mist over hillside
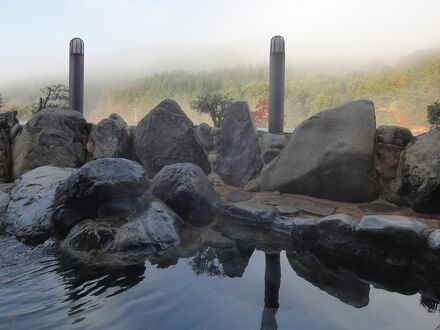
x,y
400,91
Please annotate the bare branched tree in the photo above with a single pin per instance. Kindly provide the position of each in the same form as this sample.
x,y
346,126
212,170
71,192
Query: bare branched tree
x,y
53,96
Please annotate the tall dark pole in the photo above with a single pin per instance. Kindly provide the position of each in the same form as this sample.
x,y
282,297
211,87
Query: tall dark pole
x,y
76,75
276,85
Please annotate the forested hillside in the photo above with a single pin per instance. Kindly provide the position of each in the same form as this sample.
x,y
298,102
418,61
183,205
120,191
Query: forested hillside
x,y
400,92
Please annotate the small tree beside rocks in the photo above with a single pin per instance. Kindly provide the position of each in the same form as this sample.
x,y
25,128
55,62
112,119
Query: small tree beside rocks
x,y
434,113
53,96
212,103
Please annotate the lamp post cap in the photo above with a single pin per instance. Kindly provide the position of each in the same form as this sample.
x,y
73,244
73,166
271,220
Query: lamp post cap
x,y
77,46
277,45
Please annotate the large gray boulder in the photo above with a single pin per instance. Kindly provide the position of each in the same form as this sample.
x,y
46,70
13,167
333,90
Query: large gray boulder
x,y
395,135
237,145
420,172
110,138
54,137
185,189
101,188
167,136
8,119
31,203
330,155
149,230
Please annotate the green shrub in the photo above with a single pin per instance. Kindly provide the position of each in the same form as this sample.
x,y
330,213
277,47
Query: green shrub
x,y
434,114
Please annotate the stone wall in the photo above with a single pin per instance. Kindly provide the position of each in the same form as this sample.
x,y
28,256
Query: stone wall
x,y
337,154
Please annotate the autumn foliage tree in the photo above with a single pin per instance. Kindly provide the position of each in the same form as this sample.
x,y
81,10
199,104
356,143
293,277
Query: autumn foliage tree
x,y
261,113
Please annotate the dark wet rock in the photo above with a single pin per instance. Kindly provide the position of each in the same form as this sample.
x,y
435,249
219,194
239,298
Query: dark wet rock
x,y
252,186
185,189
420,172
55,137
388,157
253,212
89,235
395,135
110,138
31,203
303,203
238,196
305,230
167,136
269,154
342,284
149,230
342,140
103,187
434,240
153,227
270,140
205,136
338,223
394,230
237,145
8,119
351,249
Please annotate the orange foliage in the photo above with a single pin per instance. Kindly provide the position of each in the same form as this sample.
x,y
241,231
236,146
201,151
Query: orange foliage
x,y
261,113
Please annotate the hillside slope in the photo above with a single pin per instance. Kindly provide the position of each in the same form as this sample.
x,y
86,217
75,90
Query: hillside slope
x,y
400,92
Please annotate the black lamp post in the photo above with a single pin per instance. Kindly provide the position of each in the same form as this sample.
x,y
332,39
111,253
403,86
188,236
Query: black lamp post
x,y
76,75
276,85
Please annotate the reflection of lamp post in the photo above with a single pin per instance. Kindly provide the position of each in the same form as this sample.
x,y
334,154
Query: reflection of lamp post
x,y
76,75
276,85
272,279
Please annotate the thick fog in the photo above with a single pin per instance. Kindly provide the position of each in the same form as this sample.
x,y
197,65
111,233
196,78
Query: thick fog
x,y
126,38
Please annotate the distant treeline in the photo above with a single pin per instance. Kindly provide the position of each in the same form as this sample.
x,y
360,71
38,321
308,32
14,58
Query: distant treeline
x,y
400,92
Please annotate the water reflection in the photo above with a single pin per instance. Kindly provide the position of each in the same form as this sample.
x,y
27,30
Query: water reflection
x,y
82,280
272,281
340,283
222,249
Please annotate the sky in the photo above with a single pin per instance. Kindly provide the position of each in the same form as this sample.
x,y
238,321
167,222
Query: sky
x,y
145,36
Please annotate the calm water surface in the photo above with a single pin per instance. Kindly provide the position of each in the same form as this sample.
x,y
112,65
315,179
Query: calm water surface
x,y
209,284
